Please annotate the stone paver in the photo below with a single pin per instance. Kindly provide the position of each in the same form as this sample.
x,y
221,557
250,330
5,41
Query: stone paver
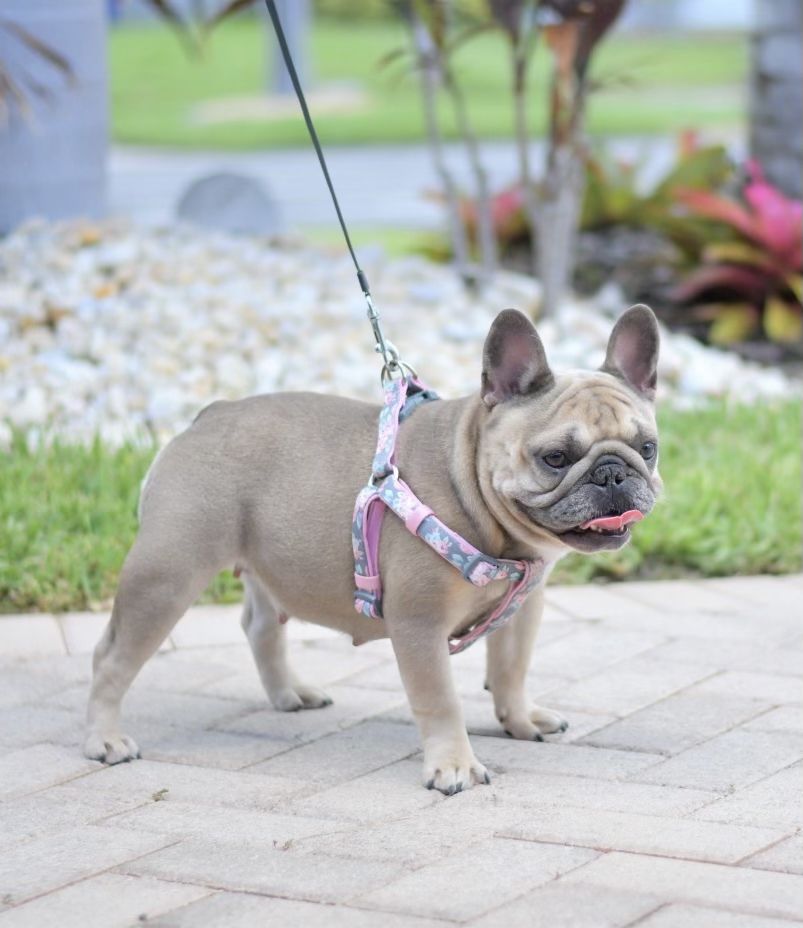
x,y
773,802
753,892
786,856
728,761
563,905
673,801
242,910
622,831
54,860
469,884
680,721
692,916
109,900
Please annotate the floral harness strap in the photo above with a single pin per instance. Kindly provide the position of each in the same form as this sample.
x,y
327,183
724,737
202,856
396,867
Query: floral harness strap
x,y
387,490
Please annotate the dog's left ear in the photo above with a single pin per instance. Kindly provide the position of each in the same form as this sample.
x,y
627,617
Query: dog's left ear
x,y
633,350
513,360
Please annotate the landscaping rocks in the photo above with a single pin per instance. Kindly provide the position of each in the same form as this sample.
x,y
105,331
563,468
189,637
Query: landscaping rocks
x,y
127,332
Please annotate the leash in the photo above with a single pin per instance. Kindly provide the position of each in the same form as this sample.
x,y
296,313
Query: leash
x,y
392,364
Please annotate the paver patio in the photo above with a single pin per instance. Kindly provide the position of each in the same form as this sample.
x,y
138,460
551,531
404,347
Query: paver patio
x,y
673,800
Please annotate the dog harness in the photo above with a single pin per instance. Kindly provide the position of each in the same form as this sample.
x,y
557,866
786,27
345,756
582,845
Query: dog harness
x,y
386,490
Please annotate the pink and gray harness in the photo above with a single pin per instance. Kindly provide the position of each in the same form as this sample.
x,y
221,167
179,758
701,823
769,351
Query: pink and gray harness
x,y
386,490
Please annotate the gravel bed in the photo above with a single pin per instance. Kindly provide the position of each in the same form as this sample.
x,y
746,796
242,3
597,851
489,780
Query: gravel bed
x,y
126,331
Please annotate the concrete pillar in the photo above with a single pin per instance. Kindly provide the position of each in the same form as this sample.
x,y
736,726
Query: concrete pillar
x,y
776,92
53,162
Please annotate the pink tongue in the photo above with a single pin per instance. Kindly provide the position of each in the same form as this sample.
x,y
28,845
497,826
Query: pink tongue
x,y
615,522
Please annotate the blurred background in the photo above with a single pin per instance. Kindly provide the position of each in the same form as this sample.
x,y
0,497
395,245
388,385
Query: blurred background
x,y
166,238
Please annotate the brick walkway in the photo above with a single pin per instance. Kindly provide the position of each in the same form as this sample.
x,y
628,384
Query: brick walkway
x,y
673,800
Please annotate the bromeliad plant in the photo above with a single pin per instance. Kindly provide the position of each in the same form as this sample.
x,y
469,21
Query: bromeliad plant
x,y
751,276
613,197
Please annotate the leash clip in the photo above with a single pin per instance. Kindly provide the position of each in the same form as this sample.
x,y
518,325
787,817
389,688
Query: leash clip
x,y
392,364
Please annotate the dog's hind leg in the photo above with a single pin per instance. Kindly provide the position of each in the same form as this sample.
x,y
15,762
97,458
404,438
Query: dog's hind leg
x,y
155,590
264,627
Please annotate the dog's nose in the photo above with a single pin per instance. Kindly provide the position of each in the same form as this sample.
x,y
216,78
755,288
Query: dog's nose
x,y
609,471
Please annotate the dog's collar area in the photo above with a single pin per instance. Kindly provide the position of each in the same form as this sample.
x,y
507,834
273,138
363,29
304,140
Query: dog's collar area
x,y
387,490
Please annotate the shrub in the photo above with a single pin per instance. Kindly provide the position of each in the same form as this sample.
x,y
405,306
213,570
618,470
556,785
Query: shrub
x,y
751,281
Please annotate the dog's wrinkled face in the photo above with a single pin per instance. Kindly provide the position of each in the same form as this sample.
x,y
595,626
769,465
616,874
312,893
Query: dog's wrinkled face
x,y
570,460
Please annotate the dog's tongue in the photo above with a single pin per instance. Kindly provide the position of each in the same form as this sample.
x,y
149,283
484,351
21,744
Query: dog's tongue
x,y
613,523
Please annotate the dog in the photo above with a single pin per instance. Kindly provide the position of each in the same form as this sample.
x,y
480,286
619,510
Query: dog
x,y
533,466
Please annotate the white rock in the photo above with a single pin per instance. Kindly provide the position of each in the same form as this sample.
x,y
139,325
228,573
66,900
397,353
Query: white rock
x,y
203,316
32,409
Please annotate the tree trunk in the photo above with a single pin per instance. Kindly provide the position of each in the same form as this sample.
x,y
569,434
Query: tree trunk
x,y
776,103
486,233
53,162
557,219
430,84
523,156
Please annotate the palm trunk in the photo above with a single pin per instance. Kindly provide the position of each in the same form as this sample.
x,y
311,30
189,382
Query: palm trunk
x,y
430,81
523,153
485,223
557,220
561,192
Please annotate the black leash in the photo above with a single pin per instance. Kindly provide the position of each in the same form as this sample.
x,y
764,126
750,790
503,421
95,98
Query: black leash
x,y
390,356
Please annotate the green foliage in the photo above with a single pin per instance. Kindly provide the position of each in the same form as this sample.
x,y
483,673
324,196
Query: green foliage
x,y
753,279
67,519
732,505
612,196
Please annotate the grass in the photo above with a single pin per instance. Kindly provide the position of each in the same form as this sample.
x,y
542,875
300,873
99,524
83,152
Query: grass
x,y
660,83
732,505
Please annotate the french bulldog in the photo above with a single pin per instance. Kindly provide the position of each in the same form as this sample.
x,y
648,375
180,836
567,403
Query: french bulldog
x,y
535,465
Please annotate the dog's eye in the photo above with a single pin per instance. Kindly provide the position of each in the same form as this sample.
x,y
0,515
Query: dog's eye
x,y
648,450
556,459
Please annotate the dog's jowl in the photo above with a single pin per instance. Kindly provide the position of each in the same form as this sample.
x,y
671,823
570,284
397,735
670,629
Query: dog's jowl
x,y
534,465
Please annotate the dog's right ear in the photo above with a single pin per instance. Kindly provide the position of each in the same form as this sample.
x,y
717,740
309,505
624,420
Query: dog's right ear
x,y
513,360
632,353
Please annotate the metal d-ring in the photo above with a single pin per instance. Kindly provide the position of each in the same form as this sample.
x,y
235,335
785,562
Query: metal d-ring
x,y
397,367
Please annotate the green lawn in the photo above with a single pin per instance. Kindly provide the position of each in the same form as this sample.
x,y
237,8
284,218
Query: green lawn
x,y
653,84
732,505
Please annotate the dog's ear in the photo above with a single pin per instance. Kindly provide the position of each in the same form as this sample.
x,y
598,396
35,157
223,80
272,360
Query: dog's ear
x,y
513,360
633,350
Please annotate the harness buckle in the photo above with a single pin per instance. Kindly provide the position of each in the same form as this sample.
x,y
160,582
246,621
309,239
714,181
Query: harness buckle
x,y
490,573
374,480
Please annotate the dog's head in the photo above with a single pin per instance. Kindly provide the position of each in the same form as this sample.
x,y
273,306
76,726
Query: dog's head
x,y
569,460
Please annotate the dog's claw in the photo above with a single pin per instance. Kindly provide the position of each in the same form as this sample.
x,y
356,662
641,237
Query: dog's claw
x,y
563,726
430,784
487,778
508,732
538,736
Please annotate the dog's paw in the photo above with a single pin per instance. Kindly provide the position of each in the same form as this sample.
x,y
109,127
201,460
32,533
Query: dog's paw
x,y
532,725
547,721
453,771
111,749
299,696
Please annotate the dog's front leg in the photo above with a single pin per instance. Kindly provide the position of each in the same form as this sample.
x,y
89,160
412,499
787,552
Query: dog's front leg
x,y
423,656
509,652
